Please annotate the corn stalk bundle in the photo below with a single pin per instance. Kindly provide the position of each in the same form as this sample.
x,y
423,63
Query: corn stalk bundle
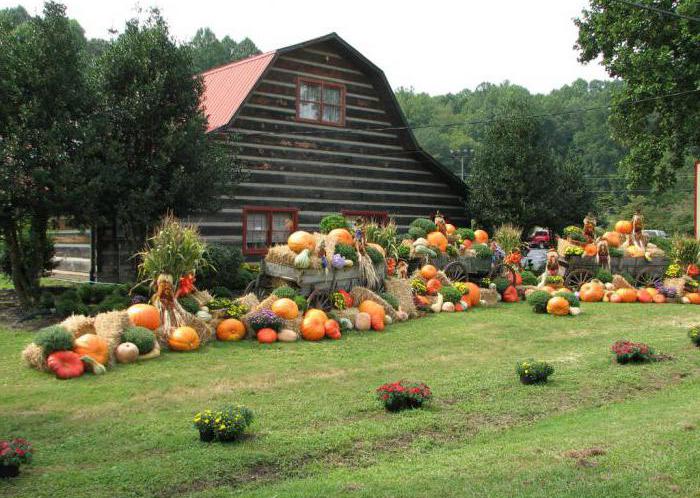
x,y
368,274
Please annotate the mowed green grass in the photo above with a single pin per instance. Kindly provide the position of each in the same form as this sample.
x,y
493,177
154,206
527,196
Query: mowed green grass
x,y
320,431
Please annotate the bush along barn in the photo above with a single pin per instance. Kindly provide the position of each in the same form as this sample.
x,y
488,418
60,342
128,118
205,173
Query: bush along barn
x,y
318,130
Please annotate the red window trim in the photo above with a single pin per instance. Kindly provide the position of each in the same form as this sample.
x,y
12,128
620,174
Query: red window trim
x,y
322,84
269,211
379,215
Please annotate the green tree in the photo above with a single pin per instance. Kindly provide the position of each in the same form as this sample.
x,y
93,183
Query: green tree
x,y
44,106
208,51
655,54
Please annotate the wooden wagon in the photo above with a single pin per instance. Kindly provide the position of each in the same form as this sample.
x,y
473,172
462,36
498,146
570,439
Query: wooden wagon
x,y
467,269
645,273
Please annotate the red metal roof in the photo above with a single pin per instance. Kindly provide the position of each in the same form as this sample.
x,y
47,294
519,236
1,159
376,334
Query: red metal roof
x,y
226,87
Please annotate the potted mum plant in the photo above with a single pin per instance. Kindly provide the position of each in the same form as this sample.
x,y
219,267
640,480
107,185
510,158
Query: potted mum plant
x,y
225,424
13,454
403,395
533,371
632,352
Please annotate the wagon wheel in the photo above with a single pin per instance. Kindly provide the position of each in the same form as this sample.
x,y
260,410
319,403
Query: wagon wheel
x,y
255,287
456,272
576,278
648,278
321,299
501,270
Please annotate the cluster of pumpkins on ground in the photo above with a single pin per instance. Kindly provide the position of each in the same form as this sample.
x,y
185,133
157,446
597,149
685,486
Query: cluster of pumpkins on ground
x,y
596,291
428,296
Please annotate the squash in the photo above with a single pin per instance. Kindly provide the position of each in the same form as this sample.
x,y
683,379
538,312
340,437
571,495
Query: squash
x,y
341,235
448,307
267,336
634,252
643,296
693,297
377,322
92,365
332,329
230,329
144,315
591,292
438,240
425,251
303,259
285,308
65,364
627,295
558,306
183,339
316,313
428,272
652,291
574,311
467,244
615,298
312,328
613,239
203,315
376,313
474,296
287,335
436,307
363,321
450,228
623,226
510,295
93,346
433,286
659,298
126,352
481,237
590,250
402,315
300,240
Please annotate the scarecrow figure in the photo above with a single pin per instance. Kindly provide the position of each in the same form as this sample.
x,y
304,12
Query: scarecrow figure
x,y
552,265
589,224
603,254
402,269
360,237
637,234
439,221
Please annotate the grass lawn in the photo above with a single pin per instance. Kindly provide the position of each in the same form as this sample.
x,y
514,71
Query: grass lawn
x,y
597,429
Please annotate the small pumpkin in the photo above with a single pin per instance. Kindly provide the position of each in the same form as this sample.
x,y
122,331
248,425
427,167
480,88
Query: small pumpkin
x,y
590,250
652,291
300,240
312,328
448,307
127,352
332,329
438,240
376,313
341,235
591,292
659,298
363,321
428,272
183,339
65,364
643,296
510,295
613,239
693,297
267,336
230,329
433,285
316,313
474,295
450,228
285,308
144,315
623,226
627,295
93,346
615,298
634,252
287,335
467,244
558,306
481,236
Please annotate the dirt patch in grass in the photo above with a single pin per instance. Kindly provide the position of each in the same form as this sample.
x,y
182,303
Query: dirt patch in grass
x,y
586,453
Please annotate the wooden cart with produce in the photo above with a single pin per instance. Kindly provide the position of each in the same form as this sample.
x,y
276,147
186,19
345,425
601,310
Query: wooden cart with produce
x,y
644,272
467,268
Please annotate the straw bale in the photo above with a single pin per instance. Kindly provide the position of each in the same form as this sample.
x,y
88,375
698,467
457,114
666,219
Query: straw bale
x,y
360,294
619,282
110,326
79,325
401,289
33,356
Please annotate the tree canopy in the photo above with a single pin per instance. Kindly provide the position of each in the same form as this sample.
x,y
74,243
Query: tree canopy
x,y
208,51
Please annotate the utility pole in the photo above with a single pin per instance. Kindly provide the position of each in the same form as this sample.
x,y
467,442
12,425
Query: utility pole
x,y
461,154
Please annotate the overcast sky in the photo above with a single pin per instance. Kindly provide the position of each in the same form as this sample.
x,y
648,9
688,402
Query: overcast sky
x,y
436,46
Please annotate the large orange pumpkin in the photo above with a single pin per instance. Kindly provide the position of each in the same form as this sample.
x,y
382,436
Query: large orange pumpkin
x,y
558,306
474,295
623,226
613,239
510,295
93,346
267,336
312,328
183,339
341,235
301,240
481,237
627,295
450,228
376,313
438,240
316,313
144,315
433,285
230,330
590,250
693,297
428,272
643,296
591,292
285,308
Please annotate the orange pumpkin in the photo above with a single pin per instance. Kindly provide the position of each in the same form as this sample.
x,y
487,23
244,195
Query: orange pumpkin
x,y
613,239
627,295
652,291
183,339
332,329
285,308
693,297
433,285
298,241
474,295
590,250
615,298
422,300
558,306
316,313
267,336
93,346
230,330
438,240
623,226
428,272
376,313
341,235
634,252
591,292
643,296
659,298
467,244
450,228
312,328
144,315
481,237
510,295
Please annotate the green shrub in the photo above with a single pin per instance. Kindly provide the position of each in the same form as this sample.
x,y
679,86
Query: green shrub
x,y
554,280
114,302
572,229
404,252
375,255
223,268
694,335
144,339
302,304
465,233
94,293
627,276
616,252
569,296
221,291
450,294
533,371
538,300
346,251
190,304
502,284
54,338
664,244
578,237
604,275
425,224
482,251
391,299
333,221
452,251
528,277
417,233
285,291
68,303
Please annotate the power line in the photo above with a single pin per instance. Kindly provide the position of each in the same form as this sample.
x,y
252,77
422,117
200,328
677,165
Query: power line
x,y
658,10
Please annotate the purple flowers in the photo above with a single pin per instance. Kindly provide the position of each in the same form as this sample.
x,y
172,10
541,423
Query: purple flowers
x,y
265,319
666,291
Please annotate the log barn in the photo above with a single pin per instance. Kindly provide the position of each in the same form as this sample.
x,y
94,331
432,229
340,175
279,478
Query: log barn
x,y
318,130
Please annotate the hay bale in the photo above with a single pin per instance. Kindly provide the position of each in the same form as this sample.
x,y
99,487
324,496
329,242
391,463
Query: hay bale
x,y
33,357
294,324
489,297
250,300
283,255
349,313
79,325
202,297
360,294
401,288
562,246
266,303
110,326
619,282
204,331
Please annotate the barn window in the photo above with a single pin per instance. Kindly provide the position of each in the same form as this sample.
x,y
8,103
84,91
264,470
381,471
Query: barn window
x,y
379,217
321,102
263,227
